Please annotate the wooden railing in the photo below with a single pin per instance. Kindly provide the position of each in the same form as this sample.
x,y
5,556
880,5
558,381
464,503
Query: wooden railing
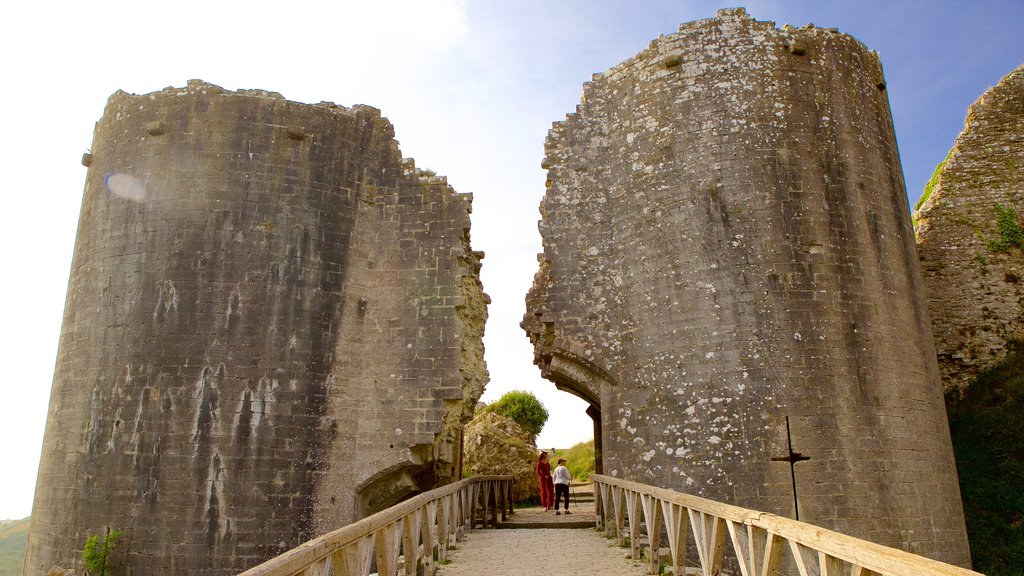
x,y
419,531
761,542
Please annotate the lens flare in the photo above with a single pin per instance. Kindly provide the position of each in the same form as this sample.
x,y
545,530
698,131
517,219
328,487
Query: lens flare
x,y
126,186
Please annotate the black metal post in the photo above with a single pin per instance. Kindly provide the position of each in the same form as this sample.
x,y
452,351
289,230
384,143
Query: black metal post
x,y
792,458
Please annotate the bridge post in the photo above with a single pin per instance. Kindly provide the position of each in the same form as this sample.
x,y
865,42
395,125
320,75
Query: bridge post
x,y
430,536
632,502
412,526
507,491
652,518
444,513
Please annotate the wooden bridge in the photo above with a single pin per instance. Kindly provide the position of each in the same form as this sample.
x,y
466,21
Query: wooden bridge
x,y
664,532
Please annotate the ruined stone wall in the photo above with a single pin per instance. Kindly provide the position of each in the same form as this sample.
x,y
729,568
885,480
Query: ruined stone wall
x,y
272,328
727,243
969,237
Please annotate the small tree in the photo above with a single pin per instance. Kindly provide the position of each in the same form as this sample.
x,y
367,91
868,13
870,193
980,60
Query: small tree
x,y
96,552
523,408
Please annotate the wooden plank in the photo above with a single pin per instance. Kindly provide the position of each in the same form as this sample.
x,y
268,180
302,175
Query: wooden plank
x,y
620,514
299,558
709,534
677,525
485,502
606,508
429,536
652,519
771,554
387,543
742,546
867,555
871,556
318,568
354,559
801,560
412,525
632,502
444,512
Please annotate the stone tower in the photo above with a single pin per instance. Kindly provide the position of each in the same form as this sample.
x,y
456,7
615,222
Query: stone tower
x,y
728,255
273,327
970,239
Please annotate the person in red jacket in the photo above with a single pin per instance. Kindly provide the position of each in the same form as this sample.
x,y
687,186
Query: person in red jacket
x,y
547,486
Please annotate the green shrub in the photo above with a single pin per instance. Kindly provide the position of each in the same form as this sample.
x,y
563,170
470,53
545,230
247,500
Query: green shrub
x,y
523,408
988,439
96,552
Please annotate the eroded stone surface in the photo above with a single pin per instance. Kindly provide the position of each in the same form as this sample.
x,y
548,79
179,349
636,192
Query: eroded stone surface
x,y
973,267
727,243
273,327
497,445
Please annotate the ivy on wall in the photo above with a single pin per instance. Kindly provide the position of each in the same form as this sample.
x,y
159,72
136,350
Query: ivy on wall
x,y
1011,234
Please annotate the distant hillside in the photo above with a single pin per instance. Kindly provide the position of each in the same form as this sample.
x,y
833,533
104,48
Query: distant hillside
x,y
13,536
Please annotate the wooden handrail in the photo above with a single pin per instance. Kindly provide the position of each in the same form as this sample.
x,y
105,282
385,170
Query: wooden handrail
x,y
759,540
417,529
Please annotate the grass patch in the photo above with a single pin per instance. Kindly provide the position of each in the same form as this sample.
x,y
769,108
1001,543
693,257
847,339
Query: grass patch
x,y
932,182
579,460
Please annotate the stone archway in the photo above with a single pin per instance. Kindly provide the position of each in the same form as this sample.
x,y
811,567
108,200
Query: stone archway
x,y
584,380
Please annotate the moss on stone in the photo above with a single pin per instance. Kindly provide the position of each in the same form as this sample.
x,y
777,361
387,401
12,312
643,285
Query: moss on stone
x,y
933,181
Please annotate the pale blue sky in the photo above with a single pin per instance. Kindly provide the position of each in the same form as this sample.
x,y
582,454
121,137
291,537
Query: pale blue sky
x,y
472,88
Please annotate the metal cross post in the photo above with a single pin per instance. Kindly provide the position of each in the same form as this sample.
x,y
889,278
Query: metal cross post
x,y
792,458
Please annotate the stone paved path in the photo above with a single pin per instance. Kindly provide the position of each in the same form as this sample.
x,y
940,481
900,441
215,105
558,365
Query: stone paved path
x,y
539,552
554,546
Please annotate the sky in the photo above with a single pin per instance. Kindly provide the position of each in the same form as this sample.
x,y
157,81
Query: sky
x,y
471,86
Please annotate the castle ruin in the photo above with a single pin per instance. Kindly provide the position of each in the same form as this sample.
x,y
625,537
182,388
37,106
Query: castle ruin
x,y
970,240
273,324
273,327
730,279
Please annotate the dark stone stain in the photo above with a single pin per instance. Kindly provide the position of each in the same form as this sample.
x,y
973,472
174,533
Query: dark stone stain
x,y
213,506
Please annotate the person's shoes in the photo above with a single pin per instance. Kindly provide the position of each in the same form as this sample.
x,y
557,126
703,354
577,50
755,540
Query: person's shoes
x,y
557,513
567,512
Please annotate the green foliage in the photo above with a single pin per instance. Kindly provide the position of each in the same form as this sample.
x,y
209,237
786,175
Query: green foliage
x,y
988,438
1011,235
96,552
579,460
523,408
13,538
930,185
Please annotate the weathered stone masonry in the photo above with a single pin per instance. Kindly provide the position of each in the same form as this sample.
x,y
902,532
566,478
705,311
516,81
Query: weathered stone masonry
x,y
974,276
273,327
727,243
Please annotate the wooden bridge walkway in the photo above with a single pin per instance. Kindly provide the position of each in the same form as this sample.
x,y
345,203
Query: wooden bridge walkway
x,y
633,529
538,542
